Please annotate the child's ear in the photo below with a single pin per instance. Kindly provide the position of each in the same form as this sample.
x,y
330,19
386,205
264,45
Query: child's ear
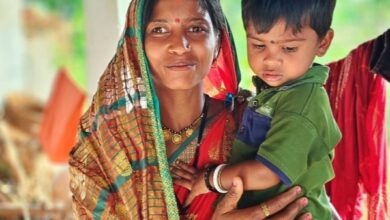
x,y
325,43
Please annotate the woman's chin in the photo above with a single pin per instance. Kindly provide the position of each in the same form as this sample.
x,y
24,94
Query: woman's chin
x,y
181,85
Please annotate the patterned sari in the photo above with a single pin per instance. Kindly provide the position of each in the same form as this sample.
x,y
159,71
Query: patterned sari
x,y
119,168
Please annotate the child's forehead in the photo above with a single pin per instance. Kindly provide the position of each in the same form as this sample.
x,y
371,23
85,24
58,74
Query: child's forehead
x,y
280,32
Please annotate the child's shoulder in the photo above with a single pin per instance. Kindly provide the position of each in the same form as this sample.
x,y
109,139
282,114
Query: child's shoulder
x,y
303,98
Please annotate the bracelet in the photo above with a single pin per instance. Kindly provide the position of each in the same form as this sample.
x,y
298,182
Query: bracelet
x,y
216,176
207,174
219,179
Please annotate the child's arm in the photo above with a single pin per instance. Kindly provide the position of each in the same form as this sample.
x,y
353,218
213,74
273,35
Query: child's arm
x,y
254,174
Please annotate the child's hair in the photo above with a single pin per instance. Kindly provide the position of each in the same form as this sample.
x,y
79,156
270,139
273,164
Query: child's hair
x,y
265,13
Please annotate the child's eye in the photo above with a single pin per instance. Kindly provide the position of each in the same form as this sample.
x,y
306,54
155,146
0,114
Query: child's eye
x,y
290,49
259,46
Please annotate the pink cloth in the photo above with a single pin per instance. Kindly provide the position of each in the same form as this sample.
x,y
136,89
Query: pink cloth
x,y
358,100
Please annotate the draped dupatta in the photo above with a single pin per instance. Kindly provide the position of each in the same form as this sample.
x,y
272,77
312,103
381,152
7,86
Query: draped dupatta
x,y
119,167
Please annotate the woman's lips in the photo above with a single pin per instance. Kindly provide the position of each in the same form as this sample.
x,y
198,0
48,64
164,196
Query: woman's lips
x,y
181,66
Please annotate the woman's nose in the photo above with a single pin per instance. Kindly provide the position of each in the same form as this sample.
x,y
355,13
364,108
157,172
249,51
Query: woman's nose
x,y
179,44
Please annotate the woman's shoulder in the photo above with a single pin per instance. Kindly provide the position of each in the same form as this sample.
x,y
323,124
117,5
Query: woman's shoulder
x,y
234,108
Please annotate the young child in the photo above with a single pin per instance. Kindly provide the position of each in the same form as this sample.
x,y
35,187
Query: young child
x,y
288,132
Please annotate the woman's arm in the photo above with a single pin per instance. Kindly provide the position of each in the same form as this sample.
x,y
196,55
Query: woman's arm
x,y
287,205
284,206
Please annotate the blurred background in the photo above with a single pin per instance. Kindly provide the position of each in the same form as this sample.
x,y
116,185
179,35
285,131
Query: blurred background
x,y
52,53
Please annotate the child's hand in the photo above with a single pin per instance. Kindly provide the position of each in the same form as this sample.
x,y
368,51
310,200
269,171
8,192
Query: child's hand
x,y
183,174
198,187
190,178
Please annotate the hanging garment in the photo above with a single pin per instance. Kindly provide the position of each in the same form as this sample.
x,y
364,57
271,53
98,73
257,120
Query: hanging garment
x,y
358,99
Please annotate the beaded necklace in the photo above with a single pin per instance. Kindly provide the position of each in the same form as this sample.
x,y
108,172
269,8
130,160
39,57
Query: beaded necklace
x,y
177,137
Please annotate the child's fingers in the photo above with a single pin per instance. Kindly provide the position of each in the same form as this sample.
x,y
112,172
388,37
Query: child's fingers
x,y
306,216
189,199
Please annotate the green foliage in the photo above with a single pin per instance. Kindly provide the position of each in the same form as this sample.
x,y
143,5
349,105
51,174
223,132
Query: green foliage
x,y
232,10
65,7
72,12
355,22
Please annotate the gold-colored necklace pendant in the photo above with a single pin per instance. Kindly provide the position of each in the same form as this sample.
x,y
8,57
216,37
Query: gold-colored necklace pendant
x,y
167,135
176,138
189,132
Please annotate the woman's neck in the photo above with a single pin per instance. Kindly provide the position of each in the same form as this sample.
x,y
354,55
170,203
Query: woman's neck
x,y
180,108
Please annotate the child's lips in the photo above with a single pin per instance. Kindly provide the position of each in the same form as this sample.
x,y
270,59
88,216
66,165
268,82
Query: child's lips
x,y
272,76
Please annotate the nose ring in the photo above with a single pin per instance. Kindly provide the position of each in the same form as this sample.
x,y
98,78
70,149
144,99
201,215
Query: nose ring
x,y
173,49
187,46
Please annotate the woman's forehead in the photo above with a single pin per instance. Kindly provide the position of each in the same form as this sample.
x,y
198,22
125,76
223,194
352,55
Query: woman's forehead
x,y
177,10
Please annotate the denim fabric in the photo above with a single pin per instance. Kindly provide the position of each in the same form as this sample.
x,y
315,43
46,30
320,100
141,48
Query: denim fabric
x,y
253,128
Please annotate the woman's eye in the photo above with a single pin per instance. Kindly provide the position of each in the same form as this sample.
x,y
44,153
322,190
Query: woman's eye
x,y
197,29
290,49
159,30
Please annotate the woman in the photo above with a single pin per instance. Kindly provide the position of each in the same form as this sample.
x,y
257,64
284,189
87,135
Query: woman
x,y
154,86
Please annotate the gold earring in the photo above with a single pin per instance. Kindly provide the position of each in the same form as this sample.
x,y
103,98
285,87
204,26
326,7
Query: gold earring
x,y
216,53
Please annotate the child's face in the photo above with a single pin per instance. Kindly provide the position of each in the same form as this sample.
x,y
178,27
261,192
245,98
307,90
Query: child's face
x,y
280,56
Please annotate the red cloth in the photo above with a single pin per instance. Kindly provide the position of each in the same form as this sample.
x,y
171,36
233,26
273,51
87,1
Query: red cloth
x,y
223,77
203,205
221,81
357,97
60,118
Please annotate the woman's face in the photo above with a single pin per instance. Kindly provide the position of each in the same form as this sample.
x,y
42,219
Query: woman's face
x,y
180,43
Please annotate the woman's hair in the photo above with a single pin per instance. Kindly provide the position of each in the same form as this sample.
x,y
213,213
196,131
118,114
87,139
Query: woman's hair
x,y
213,7
265,13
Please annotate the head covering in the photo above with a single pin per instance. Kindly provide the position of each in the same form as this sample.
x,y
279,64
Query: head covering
x,y
119,167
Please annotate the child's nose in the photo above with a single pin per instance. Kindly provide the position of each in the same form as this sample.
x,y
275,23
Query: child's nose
x,y
272,58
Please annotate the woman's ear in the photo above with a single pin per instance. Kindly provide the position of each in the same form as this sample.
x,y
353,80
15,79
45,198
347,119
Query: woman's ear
x,y
325,43
216,52
217,46
215,55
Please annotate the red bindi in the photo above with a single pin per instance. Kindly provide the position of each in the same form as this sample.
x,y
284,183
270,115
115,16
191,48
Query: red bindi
x,y
177,20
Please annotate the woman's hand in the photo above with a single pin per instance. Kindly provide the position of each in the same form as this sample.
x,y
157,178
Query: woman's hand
x,y
283,206
198,187
183,174
190,178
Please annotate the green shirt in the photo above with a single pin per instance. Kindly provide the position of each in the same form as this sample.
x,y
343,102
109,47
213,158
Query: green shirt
x,y
291,130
